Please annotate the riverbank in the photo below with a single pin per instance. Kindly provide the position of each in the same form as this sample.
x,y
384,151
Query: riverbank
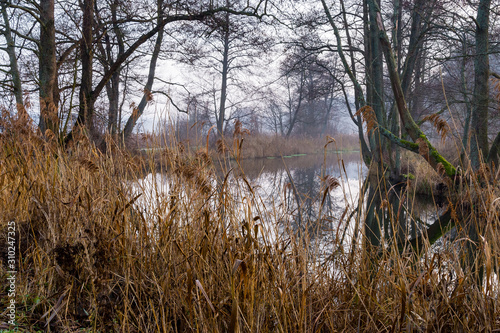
x,y
248,146
259,146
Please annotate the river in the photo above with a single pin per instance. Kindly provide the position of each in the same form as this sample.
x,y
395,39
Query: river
x,y
307,194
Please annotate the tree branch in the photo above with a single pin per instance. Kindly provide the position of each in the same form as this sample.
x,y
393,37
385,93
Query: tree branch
x,y
400,142
145,37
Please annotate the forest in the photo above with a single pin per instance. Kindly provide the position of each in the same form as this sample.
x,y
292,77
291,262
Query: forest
x,y
250,165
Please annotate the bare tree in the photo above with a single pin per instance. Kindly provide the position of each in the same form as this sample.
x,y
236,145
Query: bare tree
x,y
225,47
311,85
56,46
11,51
48,69
132,121
480,99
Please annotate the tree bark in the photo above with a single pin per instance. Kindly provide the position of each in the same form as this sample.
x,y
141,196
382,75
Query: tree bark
x,y
480,98
225,70
468,107
374,62
397,31
114,86
86,110
49,119
14,68
113,92
494,151
375,81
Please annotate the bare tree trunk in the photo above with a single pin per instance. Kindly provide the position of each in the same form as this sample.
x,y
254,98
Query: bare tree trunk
x,y
376,66
328,102
494,151
468,107
132,120
86,111
393,119
47,68
225,69
375,81
113,92
105,46
410,67
294,113
14,69
397,31
480,99
358,93
415,45
114,85
421,142
374,222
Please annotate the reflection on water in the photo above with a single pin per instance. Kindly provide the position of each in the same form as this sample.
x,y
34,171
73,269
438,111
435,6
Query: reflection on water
x,y
310,194
298,193
307,193
300,179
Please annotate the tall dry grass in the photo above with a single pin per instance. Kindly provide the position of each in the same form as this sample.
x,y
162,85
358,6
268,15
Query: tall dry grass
x,y
101,251
423,179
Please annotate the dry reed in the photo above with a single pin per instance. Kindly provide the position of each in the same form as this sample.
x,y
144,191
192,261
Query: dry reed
x,y
99,251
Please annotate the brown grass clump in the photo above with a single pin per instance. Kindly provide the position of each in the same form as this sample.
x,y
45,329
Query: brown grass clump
x,y
99,249
423,178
